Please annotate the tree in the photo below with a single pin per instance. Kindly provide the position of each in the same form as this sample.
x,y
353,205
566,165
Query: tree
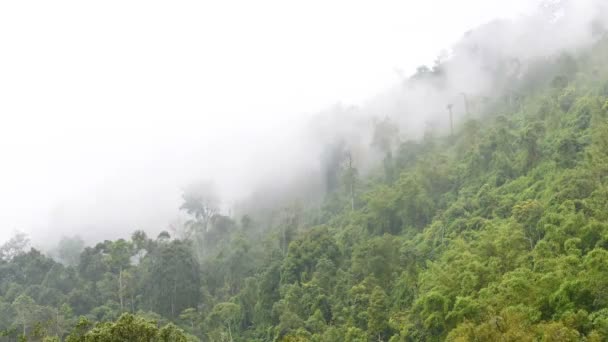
x,y
25,308
136,329
530,139
92,263
141,243
528,214
69,249
332,160
384,140
15,246
377,312
201,202
189,315
350,178
224,316
172,280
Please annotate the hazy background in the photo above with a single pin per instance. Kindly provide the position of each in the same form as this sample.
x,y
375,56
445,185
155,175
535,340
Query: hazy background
x,y
108,108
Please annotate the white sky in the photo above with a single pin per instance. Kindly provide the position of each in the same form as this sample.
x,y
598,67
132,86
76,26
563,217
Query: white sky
x,y
107,105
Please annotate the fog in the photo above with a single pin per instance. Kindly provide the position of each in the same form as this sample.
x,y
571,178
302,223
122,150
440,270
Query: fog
x,y
108,110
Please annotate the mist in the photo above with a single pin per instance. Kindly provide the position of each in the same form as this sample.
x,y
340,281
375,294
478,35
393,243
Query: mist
x,y
108,111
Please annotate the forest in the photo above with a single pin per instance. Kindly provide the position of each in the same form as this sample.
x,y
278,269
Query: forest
x,y
491,227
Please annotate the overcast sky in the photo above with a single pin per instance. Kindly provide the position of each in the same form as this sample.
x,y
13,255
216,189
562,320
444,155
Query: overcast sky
x,y
108,107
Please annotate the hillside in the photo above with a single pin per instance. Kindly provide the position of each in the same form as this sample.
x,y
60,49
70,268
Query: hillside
x,y
497,231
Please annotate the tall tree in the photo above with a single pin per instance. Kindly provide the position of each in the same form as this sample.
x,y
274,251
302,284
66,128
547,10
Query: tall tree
x,y
200,200
172,282
14,246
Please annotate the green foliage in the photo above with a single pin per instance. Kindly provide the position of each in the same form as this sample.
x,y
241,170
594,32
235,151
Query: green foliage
x,y
132,328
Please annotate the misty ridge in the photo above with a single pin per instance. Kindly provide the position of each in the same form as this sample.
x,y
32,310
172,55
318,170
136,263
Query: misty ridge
x,y
489,66
466,202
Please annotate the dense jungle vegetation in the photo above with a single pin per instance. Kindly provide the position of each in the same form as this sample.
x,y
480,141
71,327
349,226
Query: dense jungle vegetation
x,y
495,232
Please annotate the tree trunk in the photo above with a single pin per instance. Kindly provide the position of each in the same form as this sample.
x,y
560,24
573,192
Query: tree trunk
x,y
120,296
173,298
451,121
57,323
352,197
352,181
